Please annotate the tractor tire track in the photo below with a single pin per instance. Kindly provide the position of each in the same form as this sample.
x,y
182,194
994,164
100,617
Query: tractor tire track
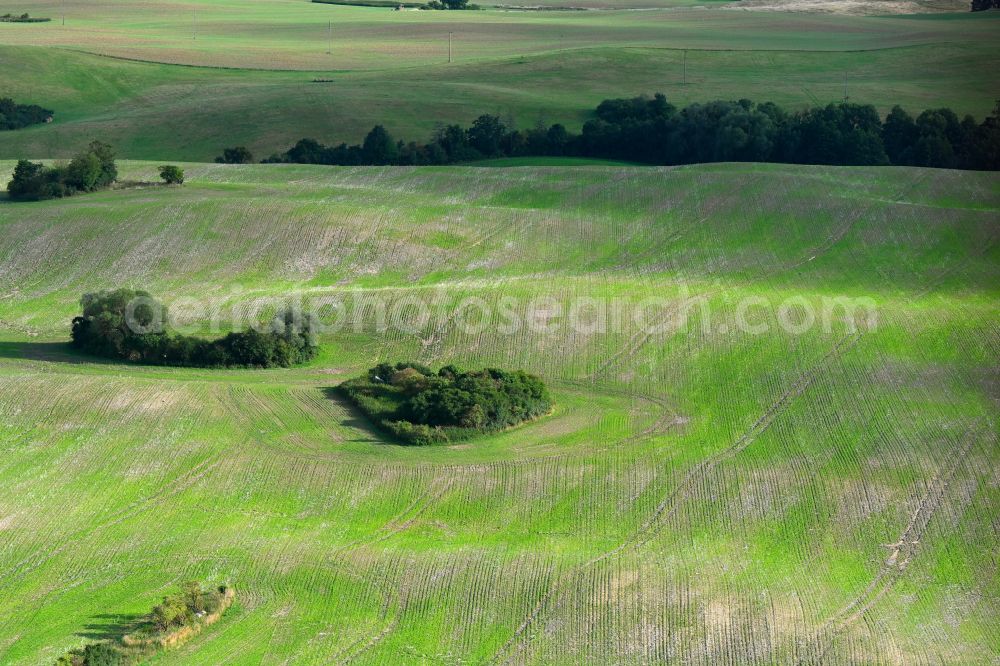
x,y
893,567
639,339
670,502
178,485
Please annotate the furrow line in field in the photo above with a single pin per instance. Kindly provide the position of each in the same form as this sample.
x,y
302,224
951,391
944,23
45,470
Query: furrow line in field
x,y
893,567
642,337
185,481
799,386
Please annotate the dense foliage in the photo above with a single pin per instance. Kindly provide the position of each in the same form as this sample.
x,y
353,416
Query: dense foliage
x,y
653,131
420,406
93,169
15,116
181,608
237,155
23,18
131,325
449,4
172,174
189,609
982,5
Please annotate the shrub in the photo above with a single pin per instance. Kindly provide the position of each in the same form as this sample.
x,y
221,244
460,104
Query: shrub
x,y
84,172
449,4
102,654
172,174
418,434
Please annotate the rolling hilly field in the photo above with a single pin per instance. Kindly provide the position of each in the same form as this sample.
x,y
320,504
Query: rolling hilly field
x,y
774,434
702,494
171,80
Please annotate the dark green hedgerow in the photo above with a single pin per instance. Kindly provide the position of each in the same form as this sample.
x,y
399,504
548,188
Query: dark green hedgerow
x,y
654,131
91,170
23,18
131,325
420,406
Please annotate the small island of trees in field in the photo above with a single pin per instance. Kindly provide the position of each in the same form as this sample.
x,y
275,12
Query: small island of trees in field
x,y
15,116
179,617
421,407
91,170
130,325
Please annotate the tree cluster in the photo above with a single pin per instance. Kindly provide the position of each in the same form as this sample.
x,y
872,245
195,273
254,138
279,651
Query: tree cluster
x,y
181,608
131,325
653,131
15,116
91,170
177,611
982,5
237,155
449,4
22,18
420,406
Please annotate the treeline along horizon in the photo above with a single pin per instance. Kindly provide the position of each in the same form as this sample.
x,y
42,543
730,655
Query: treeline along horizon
x,y
653,131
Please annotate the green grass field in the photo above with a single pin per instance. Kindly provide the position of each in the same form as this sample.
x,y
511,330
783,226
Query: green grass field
x,y
391,67
702,494
733,487
295,34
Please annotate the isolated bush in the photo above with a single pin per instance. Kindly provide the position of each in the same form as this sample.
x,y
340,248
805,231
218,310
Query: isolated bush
x,y
94,654
171,174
